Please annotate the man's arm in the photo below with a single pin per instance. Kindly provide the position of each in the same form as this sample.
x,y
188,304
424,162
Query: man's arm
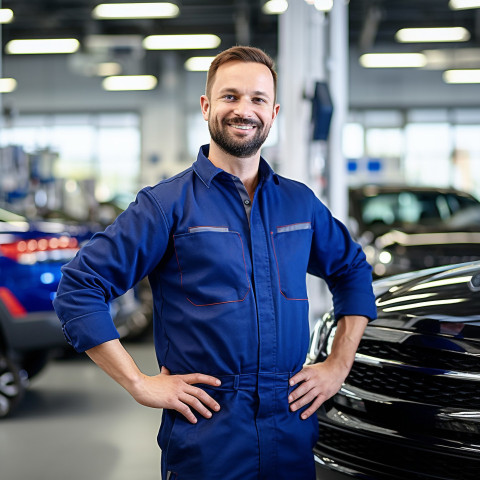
x,y
318,382
175,392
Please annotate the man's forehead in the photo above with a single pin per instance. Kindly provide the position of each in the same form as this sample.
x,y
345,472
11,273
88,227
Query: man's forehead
x,y
237,73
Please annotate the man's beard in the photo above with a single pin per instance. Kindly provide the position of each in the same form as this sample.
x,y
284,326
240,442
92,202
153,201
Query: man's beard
x,y
240,148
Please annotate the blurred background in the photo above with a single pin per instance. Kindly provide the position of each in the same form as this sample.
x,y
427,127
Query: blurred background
x,y
380,115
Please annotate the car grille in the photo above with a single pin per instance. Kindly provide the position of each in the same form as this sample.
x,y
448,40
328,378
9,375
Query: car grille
x,y
422,357
394,458
415,386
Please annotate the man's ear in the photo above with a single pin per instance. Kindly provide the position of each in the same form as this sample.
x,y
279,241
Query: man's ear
x,y
205,105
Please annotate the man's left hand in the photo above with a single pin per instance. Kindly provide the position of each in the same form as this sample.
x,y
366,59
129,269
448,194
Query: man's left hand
x,y
316,384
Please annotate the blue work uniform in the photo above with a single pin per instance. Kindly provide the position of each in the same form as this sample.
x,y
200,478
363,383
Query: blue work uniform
x,y
229,285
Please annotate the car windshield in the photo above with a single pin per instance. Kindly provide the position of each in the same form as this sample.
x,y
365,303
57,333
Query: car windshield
x,y
397,209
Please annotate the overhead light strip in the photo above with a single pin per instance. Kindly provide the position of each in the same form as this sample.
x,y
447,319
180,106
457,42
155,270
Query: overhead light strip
x,y
462,76
198,64
436,34
6,15
129,83
42,46
7,85
181,42
275,7
393,60
464,4
117,11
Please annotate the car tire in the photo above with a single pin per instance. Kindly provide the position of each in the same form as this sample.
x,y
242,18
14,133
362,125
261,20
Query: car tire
x,y
12,385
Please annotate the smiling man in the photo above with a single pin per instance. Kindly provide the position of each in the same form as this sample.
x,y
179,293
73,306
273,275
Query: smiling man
x,y
227,245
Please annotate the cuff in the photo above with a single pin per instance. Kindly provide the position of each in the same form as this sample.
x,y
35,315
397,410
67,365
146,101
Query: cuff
x,y
90,330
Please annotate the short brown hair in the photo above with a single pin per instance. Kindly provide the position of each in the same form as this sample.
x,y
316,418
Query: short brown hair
x,y
242,54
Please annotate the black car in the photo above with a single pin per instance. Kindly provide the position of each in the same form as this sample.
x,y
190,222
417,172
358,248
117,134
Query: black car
x,y
410,407
403,228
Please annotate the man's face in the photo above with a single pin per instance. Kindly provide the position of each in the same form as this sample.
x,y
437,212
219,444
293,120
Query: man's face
x,y
241,108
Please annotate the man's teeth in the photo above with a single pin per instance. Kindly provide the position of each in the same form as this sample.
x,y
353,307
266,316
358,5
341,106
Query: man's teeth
x,y
243,127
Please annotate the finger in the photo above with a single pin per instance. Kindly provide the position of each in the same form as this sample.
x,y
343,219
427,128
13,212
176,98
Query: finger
x,y
297,378
313,407
196,404
192,378
299,392
204,397
305,400
186,412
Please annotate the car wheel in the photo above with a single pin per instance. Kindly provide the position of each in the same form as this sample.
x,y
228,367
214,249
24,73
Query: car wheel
x,y
34,362
12,386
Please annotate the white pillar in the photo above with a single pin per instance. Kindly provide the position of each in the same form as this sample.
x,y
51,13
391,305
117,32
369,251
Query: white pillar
x,y
338,82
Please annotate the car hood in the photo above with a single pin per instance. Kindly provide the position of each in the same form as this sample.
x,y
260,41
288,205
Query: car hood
x,y
442,301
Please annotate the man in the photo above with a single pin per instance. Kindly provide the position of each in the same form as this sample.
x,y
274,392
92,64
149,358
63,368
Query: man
x,y
226,245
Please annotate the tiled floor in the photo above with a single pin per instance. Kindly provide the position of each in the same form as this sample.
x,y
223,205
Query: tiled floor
x,y
75,423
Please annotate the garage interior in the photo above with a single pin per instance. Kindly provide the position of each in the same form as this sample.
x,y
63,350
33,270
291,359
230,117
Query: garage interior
x,y
75,148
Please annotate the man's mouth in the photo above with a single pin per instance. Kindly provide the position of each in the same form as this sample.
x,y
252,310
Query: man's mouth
x,y
243,127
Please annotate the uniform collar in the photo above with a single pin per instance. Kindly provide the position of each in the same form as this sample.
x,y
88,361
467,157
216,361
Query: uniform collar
x,y
206,170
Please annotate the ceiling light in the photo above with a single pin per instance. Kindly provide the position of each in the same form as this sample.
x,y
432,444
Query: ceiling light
x,y
180,42
393,60
7,85
437,34
462,76
198,64
275,7
50,45
109,11
130,82
6,15
323,5
464,4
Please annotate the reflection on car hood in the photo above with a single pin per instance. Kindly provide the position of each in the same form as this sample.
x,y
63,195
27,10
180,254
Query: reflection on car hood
x,y
444,300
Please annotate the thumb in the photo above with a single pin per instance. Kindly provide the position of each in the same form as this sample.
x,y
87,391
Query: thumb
x,y
165,371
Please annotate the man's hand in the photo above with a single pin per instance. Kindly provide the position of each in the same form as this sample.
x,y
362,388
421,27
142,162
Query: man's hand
x,y
177,392
317,383
160,391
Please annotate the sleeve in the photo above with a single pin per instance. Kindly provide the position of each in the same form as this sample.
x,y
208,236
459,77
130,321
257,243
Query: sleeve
x,y
111,263
340,261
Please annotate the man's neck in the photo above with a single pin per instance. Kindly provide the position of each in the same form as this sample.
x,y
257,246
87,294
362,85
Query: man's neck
x,y
246,169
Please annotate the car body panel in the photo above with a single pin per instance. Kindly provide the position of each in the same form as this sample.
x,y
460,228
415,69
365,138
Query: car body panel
x,y
410,407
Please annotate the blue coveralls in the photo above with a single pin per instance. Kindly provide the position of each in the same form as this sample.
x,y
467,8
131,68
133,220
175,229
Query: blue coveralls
x,y
230,301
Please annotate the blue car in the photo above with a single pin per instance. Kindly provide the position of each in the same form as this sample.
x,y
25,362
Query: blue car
x,y
31,256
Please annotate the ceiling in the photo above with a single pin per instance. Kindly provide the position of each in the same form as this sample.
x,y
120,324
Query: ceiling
x,y
372,23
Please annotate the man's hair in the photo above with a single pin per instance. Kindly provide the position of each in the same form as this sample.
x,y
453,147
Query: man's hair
x,y
242,54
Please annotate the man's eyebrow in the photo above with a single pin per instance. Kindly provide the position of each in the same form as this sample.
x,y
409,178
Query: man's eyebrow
x,y
257,93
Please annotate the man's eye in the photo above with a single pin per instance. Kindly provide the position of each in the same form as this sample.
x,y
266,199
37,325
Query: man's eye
x,y
229,97
259,100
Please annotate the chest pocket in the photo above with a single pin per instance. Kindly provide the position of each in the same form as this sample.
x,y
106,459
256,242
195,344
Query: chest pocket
x,y
291,246
212,266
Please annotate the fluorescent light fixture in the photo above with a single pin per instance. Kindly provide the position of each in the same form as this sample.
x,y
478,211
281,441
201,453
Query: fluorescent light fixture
x,y
107,69
110,11
198,64
275,7
323,5
7,85
181,42
6,15
393,60
437,34
462,76
129,82
48,45
464,4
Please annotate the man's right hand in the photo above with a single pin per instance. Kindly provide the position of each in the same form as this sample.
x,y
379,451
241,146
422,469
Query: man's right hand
x,y
177,392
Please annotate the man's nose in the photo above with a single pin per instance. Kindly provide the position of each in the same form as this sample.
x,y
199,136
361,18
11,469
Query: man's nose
x,y
243,108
